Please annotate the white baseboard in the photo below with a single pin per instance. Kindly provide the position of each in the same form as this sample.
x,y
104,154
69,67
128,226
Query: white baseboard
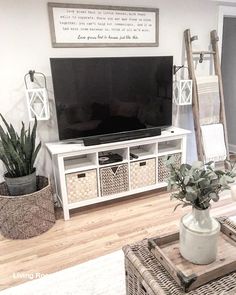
x,y
232,148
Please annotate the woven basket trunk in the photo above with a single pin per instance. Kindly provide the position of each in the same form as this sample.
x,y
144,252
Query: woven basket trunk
x,y
114,179
26,216
146,276
143,173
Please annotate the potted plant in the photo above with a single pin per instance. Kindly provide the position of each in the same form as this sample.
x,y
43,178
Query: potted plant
x,y
18,153
26,201
197,186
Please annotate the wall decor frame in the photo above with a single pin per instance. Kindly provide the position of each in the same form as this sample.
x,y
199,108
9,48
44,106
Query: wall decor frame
x,y
80,25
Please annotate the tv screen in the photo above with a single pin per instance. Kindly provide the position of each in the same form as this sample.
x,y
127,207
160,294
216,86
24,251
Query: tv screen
x,y
97,96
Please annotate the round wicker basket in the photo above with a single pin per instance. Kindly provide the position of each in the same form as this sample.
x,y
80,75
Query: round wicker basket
x,y
26,216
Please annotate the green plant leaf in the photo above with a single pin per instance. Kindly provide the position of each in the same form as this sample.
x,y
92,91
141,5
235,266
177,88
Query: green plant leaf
x,y
197,165
18,153
214,196
186,180
179,204
34,156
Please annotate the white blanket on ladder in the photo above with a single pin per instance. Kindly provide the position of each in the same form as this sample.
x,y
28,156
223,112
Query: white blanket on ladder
x,y
213,142
208,99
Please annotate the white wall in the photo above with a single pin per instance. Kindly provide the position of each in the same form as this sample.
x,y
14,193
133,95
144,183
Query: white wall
x,y
26,44
229,77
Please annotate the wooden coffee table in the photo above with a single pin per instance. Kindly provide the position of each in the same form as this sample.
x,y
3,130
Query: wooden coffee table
x,y
145,276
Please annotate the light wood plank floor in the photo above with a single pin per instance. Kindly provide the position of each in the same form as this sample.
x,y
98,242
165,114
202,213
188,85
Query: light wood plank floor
x,y
94,232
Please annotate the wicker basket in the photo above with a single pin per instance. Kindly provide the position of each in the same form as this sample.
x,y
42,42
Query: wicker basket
x,y
146,276
81,186
114,179
26,216
163,171
143,173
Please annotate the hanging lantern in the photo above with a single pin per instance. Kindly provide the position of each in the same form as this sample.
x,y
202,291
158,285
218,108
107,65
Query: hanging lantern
x,y
37,98
182,90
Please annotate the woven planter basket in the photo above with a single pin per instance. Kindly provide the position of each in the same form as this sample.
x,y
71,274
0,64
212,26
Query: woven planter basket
x,y
26,216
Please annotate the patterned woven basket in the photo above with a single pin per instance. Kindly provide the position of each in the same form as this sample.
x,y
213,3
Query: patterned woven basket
x,y
143,173
114,179
163,171
26,216
81,186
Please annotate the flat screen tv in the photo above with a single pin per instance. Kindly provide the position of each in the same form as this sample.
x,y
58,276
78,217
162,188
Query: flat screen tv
x,y
98,96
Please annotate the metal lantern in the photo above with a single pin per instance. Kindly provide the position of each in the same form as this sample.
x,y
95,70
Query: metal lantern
x,y
37,98
182,89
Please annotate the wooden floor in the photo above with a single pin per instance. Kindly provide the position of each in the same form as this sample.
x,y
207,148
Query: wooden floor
x,y
92,233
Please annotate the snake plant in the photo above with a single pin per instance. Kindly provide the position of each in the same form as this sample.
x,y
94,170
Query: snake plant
x,y
18,151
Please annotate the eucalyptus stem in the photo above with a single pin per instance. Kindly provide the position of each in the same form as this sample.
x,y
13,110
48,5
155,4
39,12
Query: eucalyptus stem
x,y
198,185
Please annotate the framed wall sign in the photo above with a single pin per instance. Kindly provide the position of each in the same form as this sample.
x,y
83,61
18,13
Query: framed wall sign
x,y
77,25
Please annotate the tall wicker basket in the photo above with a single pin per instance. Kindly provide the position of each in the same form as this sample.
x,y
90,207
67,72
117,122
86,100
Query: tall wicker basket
x,y
26,216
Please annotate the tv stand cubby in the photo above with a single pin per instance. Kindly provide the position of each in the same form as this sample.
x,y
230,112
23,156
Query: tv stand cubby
x,y
81,179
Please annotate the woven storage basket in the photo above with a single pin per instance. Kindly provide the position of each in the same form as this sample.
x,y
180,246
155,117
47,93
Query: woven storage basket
x,y
81,186
114,179
163,171
26,216
143,173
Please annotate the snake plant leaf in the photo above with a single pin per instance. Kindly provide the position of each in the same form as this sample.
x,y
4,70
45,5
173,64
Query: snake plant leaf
x,y
5,122
13,135
7,164
34,156
17,152
22,134
3,135
33,134
14,157
1,148
11,131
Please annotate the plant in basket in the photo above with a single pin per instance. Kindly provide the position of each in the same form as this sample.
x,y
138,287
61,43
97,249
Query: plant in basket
x,y
198,185
18,153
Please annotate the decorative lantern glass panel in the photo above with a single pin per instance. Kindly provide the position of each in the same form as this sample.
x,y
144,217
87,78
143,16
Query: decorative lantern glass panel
x,y
37,101
182,92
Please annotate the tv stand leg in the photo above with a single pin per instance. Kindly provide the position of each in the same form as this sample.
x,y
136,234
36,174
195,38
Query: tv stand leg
x,y
66,213
63,188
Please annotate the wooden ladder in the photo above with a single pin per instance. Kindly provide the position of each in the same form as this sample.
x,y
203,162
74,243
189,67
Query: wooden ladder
x,y
195,105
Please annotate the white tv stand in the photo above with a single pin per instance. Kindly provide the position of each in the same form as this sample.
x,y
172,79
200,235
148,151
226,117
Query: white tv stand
x,y
80,180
